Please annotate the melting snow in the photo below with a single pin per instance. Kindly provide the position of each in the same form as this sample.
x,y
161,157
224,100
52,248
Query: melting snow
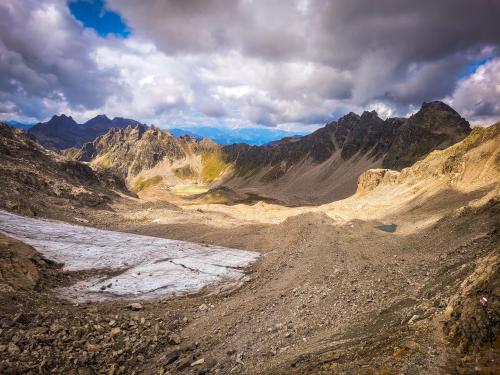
x,y
146,267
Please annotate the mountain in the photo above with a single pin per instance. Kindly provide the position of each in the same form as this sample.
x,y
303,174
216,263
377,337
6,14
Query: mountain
x,y
226,136
435,126
62,132
176,132
324,166
148,156
36,180
19,125
466,166
316,168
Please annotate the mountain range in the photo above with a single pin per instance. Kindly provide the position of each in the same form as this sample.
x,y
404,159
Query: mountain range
x,y
402,274
324,166
225,136
63,131
316,168
19,125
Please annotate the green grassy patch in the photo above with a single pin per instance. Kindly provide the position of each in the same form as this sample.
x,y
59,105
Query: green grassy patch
x,y
142,184
185,190
213,165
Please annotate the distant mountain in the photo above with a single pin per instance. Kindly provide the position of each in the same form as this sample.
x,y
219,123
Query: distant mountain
x,y
62,132
325,165
227,136
19,125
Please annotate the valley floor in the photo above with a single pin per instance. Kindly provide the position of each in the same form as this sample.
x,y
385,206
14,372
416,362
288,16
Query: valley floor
x,y
331,293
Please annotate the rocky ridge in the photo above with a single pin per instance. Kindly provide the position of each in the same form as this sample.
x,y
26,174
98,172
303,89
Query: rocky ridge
x,y
150,156
324,166
62,132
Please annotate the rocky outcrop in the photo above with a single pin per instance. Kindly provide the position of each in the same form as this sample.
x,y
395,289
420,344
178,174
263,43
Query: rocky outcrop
x,y
435,127
472,320
372,178
21,266
474,160
62,132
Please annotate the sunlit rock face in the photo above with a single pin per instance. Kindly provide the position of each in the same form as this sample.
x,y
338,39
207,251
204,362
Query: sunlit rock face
x,y
142,267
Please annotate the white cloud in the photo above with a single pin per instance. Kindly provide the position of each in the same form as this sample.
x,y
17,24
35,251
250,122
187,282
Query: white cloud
x,y
478,96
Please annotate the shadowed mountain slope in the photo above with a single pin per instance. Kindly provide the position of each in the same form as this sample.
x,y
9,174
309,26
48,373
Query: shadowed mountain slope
x,y
62,131
34,179
324,166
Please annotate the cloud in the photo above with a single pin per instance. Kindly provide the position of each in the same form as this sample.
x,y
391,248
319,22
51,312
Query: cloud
x,y
285,63
478,96
400,52
44,59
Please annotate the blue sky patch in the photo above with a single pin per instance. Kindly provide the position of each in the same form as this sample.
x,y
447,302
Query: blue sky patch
x,y
473,66
95,15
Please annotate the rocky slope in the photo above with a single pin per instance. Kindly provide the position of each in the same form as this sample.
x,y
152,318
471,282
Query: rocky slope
x,y
35,180
465,165
324,166
148,157
62,131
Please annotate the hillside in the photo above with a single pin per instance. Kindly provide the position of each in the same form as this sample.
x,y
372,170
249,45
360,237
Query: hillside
x,y
63,131
466,173
324,166
37,181
313,169
151,157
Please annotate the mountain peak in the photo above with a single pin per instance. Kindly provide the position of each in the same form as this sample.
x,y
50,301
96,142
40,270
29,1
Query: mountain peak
x,y
370,115
61,118
98,120
439,117
102,117
437,106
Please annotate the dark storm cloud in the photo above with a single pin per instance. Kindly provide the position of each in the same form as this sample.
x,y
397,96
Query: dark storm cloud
x,y
264,28
339,32
407,30
44,56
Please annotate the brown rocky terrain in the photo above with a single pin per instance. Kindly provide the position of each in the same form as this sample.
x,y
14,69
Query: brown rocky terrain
x,y
152,160
35,180
402,277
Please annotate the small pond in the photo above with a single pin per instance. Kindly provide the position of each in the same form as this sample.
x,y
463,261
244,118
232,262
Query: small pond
x,y
389,228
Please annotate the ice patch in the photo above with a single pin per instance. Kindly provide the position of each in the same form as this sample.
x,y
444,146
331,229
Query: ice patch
x,y
147,267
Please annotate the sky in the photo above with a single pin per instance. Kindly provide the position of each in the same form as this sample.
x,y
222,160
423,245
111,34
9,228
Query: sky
x,y
290,64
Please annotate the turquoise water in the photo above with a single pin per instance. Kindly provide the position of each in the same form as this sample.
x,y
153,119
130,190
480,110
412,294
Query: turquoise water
x,y
389,228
